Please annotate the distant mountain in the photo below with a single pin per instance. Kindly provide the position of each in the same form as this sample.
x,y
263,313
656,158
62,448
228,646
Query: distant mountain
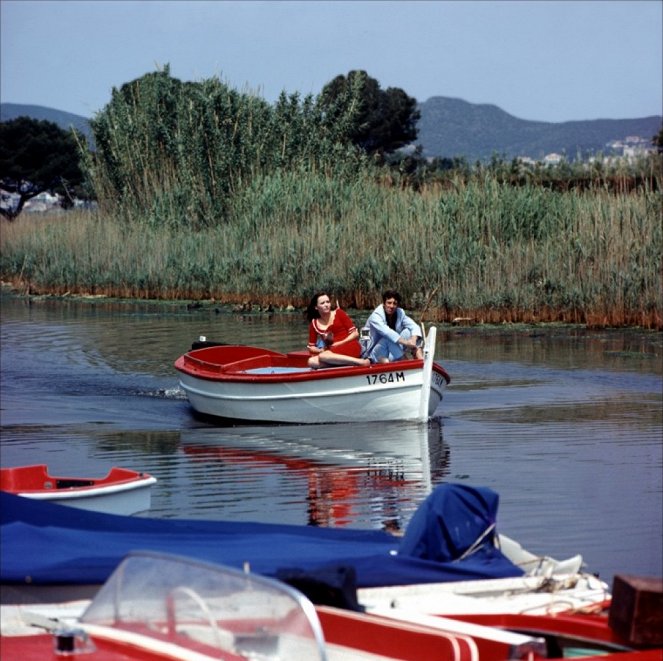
x,y
65,120
453,127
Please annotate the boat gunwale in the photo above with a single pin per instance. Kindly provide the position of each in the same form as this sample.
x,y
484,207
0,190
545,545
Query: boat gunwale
x,y
93,491
236,371
591,627
90,486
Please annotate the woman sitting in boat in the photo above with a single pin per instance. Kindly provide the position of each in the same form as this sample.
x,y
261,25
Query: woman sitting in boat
x,y
333,338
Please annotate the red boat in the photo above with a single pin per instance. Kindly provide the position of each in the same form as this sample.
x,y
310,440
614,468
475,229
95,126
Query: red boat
x,y
121,491
627,627
157,607
571,635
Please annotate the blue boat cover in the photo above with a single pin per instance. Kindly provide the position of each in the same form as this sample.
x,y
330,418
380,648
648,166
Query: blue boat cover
x,y
44,544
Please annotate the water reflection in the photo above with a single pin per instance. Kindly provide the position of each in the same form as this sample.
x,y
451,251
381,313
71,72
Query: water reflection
x,y
349,473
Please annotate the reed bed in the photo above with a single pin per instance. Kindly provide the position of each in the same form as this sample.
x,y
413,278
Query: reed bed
x,y
208,194
482,250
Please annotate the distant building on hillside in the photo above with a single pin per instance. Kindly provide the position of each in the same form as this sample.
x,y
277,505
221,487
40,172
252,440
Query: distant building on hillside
x,y
552,159
42,202
631,147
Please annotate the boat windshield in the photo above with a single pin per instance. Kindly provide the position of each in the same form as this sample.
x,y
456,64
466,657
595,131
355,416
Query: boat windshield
x,y
208,608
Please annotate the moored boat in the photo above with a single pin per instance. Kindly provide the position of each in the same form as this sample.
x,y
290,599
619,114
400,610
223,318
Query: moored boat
x,y
566,635
121,491
77,557
534,595
456,523
629,626
250,383
157,607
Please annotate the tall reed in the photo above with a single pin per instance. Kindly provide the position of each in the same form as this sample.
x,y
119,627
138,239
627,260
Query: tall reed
x,y
173,154
486,250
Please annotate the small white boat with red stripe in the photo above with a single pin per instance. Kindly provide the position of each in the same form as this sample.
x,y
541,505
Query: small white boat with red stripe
x,y
121,491
239,382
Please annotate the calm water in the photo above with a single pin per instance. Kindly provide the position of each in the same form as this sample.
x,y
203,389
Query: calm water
x,y
566,425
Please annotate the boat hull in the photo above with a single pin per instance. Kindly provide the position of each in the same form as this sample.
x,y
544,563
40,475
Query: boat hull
x,y
252,384
358,397
122,491
125,502
534,595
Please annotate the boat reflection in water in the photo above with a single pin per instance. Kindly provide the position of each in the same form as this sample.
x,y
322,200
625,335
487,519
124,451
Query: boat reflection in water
x,y
352,472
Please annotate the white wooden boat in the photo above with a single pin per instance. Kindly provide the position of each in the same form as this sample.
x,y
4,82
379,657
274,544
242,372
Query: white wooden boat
x,y
250,383
532,595
121,491
548,586
627,626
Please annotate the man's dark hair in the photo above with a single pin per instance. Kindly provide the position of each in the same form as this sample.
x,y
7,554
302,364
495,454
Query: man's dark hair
x,y
391,293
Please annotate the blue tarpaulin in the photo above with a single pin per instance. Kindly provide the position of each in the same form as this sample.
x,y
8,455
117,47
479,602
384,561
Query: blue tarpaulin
x,y
44,544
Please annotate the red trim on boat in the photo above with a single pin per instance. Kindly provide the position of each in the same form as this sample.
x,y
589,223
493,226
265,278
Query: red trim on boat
x,y
233,364
37,479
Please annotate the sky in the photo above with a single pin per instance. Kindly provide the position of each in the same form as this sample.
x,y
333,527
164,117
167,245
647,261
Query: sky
x,y
544,60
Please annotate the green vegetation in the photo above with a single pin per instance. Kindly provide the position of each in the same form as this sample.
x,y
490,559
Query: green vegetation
x,y
387,119
37,156
483,249
173,154
205,193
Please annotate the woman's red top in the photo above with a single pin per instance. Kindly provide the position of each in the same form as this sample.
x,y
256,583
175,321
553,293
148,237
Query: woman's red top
x,y
340,328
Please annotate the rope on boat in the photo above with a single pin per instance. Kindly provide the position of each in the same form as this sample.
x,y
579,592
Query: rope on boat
x,y
477,542
564,603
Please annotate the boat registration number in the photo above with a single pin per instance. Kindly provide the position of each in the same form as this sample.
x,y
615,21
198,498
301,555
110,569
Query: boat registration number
x,y
392,377
438,380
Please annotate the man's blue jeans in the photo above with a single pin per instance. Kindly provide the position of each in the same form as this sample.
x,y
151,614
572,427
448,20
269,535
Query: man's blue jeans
x,y
385,348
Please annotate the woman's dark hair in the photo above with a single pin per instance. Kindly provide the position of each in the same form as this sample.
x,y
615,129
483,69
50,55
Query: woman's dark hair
x,y
311,312
391,293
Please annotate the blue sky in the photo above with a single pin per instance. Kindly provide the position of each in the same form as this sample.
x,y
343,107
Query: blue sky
x,y
541,60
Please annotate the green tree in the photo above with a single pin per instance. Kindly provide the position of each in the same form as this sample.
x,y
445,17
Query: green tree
x,y
375,120
177,154
38,156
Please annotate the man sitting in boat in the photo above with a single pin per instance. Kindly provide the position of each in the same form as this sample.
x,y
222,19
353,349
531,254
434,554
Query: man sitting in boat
x,y
389,332
333,337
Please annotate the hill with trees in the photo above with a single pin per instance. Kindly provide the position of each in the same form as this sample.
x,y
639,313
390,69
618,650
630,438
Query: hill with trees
x,y
37,156
455,128
65,120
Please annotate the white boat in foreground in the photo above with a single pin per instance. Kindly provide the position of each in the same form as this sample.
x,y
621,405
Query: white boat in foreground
x,y
121,491
249,383
530,595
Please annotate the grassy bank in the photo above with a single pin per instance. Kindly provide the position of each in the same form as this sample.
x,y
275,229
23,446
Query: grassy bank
x,y
480,249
